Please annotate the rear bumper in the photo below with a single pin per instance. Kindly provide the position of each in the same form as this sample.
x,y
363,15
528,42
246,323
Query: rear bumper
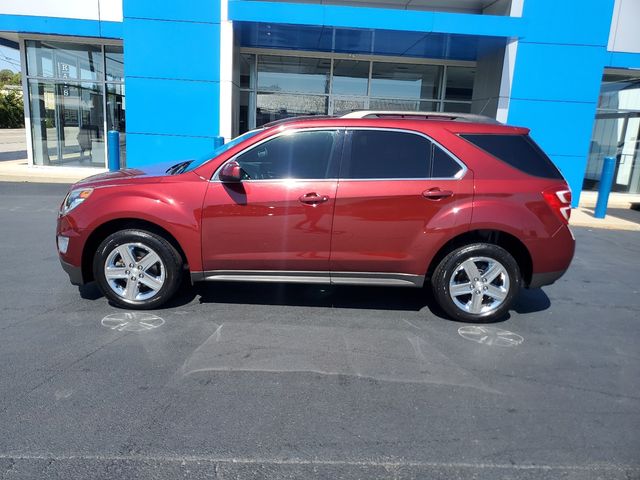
x,y
75,273
541,279
553,258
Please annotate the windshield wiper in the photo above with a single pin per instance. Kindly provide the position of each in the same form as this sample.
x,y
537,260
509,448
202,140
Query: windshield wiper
x,y
178,167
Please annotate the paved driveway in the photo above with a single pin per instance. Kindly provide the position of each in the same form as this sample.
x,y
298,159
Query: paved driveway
x,y
271,381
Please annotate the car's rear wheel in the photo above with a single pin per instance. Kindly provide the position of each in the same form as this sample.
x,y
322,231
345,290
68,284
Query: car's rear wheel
x,y
137,269
476,283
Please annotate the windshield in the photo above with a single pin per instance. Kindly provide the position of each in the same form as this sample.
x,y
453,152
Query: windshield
x,y
221,149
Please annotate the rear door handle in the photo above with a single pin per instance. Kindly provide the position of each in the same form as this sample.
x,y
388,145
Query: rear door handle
x,y
313,198
436,194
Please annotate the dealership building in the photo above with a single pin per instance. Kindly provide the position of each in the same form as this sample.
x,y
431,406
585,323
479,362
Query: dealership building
x,y
173,76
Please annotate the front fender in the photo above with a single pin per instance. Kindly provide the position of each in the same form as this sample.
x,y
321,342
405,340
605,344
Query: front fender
x,y
175,206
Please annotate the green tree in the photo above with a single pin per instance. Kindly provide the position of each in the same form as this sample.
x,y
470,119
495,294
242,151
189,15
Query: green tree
x,y
11,110
11,104
7,77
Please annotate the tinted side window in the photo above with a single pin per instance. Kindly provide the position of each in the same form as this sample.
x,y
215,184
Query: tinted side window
x,y
443,165
519,151
387,154
299,155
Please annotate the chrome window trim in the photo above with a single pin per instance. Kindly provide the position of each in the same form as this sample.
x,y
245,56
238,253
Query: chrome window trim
x,y
458,175
216,179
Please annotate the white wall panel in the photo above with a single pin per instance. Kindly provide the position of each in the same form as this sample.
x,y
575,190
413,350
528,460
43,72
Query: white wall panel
x,y
110,10
625,33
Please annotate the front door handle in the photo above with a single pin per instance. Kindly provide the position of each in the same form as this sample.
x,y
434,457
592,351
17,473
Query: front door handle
x,y
313,198
436,194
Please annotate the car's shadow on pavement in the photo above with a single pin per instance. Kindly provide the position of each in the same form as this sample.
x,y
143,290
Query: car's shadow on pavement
x,y
530,301
327,296
352,297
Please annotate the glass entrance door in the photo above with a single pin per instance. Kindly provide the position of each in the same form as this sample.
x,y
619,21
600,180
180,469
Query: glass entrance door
x,y
67,123
616,134
627,176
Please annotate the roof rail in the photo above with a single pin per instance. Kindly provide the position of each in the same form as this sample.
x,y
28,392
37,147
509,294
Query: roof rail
x,y
410,115
293,119
402,114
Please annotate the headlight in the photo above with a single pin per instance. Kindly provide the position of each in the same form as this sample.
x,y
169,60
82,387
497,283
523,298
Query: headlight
x,y
74,198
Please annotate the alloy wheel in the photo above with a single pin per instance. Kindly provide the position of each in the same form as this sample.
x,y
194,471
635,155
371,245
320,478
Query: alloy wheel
x,y
479,285
134,271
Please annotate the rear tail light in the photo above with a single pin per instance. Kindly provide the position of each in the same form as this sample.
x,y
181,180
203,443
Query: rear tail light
x,y
559,199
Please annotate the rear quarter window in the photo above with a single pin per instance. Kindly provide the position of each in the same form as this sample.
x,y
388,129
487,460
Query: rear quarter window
x,y
519,151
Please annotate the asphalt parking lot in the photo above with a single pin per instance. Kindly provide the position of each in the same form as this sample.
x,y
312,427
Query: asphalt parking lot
x,y
274,381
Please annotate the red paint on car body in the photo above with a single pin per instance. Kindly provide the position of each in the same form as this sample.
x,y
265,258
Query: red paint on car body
x,y
329,225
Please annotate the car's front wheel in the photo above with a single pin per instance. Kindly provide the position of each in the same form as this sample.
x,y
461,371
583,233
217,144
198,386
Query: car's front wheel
x,y
476,283
137,269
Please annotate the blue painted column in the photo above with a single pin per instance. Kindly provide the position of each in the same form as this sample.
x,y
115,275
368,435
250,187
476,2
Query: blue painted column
x,y
557,77
606,182
172,79
113,147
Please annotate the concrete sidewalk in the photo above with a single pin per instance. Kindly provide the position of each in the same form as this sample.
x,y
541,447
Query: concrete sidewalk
x,y
617,218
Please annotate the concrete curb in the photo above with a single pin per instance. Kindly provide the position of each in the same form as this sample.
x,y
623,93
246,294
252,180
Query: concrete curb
x,y
20,171
30,179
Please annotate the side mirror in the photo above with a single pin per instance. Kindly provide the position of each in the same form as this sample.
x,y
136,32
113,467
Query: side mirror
x,y
231,172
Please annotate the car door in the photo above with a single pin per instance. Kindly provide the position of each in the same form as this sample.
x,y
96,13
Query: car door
x,y
278,219
399,196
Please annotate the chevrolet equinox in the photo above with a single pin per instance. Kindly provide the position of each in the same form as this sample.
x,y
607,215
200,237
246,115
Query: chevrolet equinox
x,y
471,206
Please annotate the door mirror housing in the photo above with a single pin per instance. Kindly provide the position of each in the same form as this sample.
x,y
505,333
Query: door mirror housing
x,y
231,172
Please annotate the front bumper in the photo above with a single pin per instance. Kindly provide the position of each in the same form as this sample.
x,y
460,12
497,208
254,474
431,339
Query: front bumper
x,y
75,273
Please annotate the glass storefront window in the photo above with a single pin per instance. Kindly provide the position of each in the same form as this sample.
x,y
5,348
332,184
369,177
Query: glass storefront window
x,y
247,76
619,92
350,77
400,80
342,105
64,60
616,132
293,74
399,105
116,115
289,86
276,106
245,112
67,123
457,107
459,83
68,98
114,58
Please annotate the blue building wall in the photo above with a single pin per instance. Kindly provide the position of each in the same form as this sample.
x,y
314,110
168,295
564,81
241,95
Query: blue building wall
x,y
557,78
172,62
172,78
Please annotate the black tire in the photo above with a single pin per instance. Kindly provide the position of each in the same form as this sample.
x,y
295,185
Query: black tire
x,y
450,265
171,263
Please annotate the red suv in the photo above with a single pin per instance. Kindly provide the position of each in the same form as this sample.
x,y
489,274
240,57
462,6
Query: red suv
x,y
371,198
